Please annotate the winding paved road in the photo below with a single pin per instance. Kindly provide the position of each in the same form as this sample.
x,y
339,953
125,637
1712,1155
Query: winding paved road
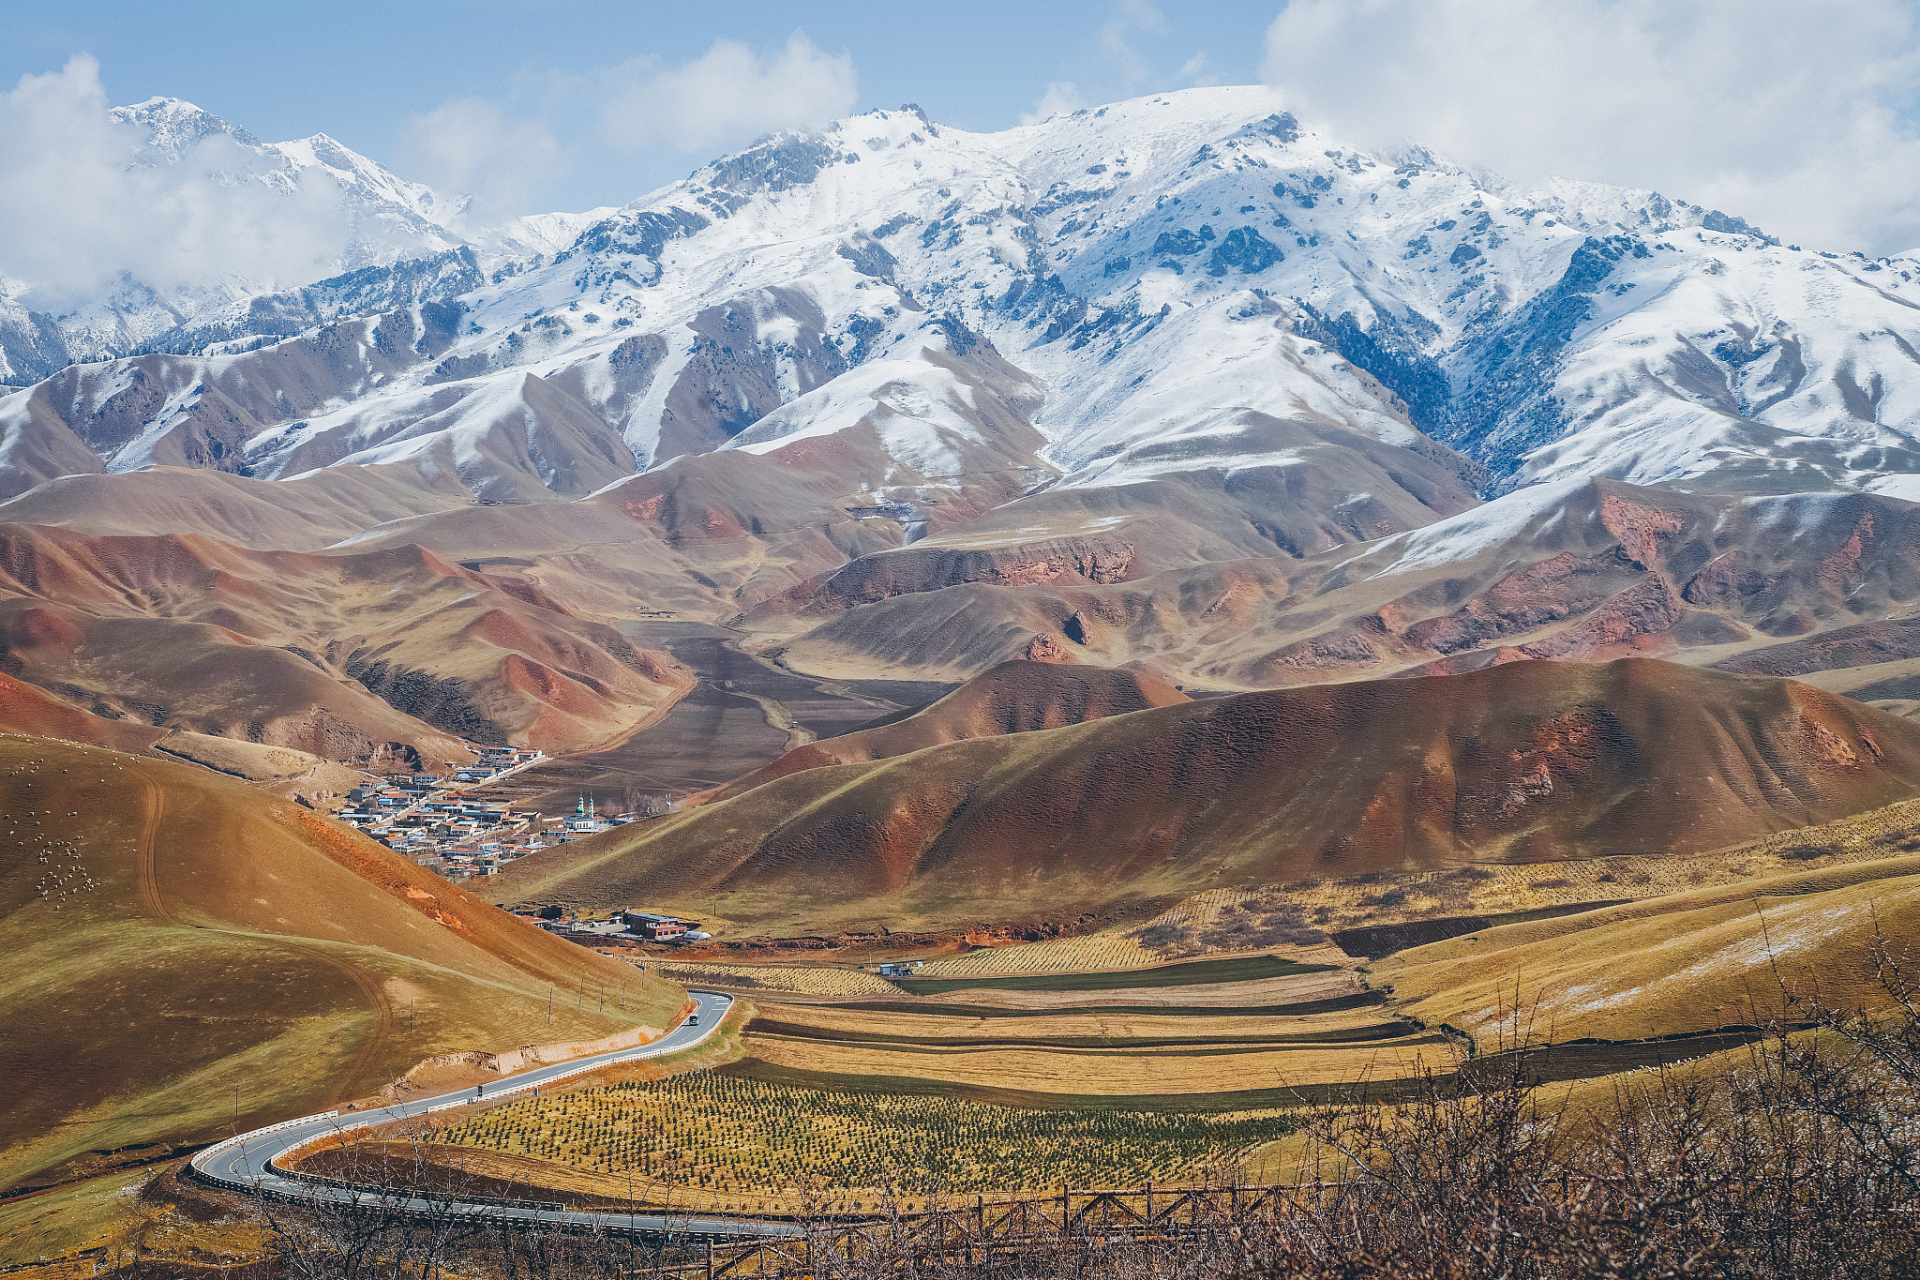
x,y
247,1162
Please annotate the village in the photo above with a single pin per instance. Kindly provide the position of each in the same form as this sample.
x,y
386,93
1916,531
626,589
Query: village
x,y
447,823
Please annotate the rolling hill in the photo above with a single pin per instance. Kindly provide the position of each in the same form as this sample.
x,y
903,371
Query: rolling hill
x,y
1014,697
1527,761
1583,570
183,935
355,656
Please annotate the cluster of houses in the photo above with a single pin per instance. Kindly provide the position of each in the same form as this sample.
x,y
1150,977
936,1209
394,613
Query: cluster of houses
x,y
628,925
433,818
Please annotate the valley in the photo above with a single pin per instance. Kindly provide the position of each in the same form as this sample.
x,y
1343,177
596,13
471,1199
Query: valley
x,y
741,713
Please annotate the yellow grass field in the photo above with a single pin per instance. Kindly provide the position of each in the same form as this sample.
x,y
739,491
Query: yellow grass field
x,y
1383,898
1294,988
1492,889
716,1140
1688,962
1194,1069
1127,1026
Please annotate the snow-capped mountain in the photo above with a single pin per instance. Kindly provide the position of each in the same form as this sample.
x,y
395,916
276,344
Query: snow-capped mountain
x,y
381,220
1187,284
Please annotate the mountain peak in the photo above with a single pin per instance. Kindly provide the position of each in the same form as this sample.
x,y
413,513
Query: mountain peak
x,y
174,124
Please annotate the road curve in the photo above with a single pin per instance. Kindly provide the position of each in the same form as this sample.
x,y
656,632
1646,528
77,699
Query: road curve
x,y
247,1162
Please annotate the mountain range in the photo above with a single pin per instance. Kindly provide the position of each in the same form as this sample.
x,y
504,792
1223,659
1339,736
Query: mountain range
x,y
1180,384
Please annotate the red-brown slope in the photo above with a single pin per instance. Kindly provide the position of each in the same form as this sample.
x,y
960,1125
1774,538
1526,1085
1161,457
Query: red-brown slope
x,y
355,656
25,709
1523,762
1584,572
1014,697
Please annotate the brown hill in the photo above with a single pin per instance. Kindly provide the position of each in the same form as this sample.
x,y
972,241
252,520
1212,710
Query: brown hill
x,y
172,934
1014,697
1581,572
351,656
305,513
1528,761
27,710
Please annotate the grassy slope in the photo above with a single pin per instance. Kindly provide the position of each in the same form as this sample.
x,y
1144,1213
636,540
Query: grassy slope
x,y
1684,963
1528,762
211,936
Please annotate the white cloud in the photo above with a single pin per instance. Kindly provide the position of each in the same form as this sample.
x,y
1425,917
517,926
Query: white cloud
x,y
1194,70
1131,19
469,145
727,93
1061,97
1792,113
79,208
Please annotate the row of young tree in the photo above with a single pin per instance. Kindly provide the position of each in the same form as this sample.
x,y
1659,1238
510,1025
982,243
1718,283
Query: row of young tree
x,y
1799,1159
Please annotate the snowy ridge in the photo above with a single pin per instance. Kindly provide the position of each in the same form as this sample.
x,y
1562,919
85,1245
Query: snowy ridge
x,y
1149,287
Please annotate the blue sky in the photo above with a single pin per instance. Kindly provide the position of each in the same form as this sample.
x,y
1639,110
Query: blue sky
x,y
366,72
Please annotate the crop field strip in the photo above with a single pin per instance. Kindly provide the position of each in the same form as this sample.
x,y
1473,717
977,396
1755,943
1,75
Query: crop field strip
x,y
1203,972
1278,1097
1197,1068
1579,1061
1109,949
1198,1047
800,1031
1332,1004
812,980
1371,942
713,1138
1288,989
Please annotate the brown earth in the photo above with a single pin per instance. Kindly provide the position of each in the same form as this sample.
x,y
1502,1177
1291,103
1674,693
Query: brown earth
x,y
1014,697
306,513
351,657
1526,762
30,710
173,934
1606,570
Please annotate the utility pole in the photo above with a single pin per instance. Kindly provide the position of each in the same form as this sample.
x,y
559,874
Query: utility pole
x,y
549,1006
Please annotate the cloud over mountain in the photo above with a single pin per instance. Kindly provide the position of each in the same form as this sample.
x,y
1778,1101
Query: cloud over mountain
x,y
1798,114
85,200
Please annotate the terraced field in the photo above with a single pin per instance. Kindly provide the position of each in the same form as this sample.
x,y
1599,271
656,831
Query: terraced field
x,y
842,1088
